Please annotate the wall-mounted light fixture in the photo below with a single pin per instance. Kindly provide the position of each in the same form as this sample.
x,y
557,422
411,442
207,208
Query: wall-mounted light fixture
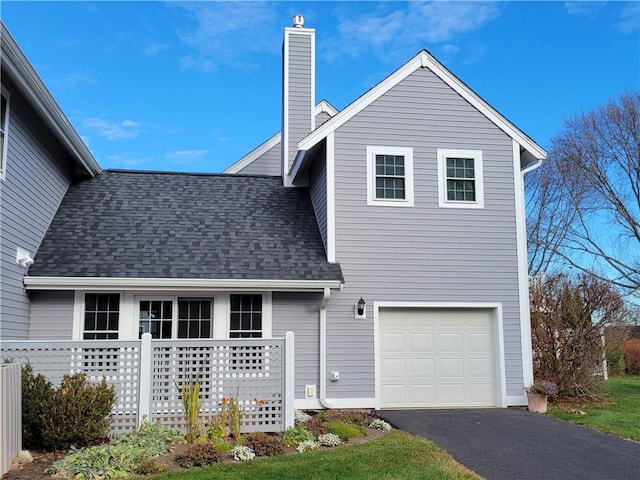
x,y
361,311
23,257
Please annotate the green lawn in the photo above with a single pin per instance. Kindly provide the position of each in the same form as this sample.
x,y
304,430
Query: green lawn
x,y
396,455
620,416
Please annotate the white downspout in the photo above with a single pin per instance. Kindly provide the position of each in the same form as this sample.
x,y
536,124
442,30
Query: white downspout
x,y
326,403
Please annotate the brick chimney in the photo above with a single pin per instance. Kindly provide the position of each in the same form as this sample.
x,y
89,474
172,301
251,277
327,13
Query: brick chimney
x,y
298,90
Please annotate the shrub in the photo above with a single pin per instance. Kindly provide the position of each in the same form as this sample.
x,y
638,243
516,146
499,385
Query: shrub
x,y
306,446
631,349
356,417
78,413
329,440
294,436
199,455
615,361
37,392
242,453
148,465
346,430
379,424
221,444
315,426
264,445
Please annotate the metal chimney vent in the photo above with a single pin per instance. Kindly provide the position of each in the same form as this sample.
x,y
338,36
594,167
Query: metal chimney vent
x,y
298,21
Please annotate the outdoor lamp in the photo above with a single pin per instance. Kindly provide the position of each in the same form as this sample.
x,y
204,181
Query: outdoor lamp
x,y
360,310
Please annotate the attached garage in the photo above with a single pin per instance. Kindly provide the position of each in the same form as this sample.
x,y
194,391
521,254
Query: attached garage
x,y
438,357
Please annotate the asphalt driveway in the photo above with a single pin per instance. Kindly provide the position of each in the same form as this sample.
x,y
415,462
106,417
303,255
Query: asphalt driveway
x,y
513,444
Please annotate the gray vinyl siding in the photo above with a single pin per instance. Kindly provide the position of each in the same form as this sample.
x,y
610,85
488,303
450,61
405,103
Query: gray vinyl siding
x,y
51,315
266,164
318,192
321,118
300,313
421,253
299,94
37,176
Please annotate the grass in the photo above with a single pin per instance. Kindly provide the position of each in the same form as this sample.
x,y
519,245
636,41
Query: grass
x,y
396,455
619,416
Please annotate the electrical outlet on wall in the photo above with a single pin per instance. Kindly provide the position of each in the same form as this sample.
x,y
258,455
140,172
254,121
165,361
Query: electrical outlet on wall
x,y
310,391
335,376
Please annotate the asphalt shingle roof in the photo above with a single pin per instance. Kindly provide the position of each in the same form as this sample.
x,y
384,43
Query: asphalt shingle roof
x,y
173,225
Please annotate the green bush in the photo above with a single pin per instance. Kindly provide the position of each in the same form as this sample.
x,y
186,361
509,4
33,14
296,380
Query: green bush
x,y
264,445
37,392
615,361
294,436
346,430
78,413
199,455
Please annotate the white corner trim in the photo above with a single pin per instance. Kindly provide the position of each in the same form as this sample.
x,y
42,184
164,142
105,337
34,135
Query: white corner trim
x,y
523,269
325,107
422,60
500,370
169,284
407,153
443,154
254,154
331,200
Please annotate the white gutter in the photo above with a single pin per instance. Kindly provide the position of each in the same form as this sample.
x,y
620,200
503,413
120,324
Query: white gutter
x,y
531,167
168,284
324,401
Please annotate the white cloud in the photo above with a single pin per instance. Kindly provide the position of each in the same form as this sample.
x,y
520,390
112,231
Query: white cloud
x,y
113,130
126,160
629,18
384,32
225,32
185,156
72,80
152,49
583,9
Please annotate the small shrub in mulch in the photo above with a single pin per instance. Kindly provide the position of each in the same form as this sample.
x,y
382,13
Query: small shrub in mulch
x,y
264,445
345,430
315,426
199,455
294,436
357,417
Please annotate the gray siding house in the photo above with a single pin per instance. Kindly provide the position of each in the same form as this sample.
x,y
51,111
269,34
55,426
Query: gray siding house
x,y
389,237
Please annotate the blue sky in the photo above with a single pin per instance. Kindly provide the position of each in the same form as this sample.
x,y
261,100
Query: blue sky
x,y
194,86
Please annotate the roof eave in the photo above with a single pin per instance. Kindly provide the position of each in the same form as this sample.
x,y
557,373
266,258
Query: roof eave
x,y
16,65
167,284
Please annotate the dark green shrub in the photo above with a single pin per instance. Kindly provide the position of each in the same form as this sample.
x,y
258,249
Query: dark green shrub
x,y
346,430
264,445
78,413
615,361
199,455
315,426
37,392
293,436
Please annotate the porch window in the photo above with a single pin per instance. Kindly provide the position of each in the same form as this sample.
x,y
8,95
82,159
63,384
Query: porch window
x,y
156,317
246,316
195,317
101,316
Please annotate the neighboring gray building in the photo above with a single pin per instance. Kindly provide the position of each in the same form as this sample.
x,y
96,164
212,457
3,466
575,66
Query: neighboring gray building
x,y
409,200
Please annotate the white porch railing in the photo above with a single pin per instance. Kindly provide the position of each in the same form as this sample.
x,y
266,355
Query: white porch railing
x,y
259,372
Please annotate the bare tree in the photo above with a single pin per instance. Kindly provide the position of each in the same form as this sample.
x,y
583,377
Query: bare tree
x,y
584,202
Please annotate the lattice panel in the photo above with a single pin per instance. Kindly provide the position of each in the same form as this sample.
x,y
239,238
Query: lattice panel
x,y
250,370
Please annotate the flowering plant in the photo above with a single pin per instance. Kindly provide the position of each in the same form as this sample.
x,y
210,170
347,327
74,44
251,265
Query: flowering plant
x,y
233,411
380,424
242,453
543,387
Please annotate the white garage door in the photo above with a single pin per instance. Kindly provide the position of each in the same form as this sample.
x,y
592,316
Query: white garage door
x,y
436,357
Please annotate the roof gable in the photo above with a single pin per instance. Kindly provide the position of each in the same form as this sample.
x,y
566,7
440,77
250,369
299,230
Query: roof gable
x,y
422,60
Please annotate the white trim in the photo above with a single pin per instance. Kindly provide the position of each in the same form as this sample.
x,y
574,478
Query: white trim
x,y
5,130
162,284
516,400
523,269
422,60
325,107
443,154
331,199
501,389
17,67
407,153
308,404
253,155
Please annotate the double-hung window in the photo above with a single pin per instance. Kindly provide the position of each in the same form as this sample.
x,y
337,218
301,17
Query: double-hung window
x,y
460,179
389,176
101,316
4,131
246,316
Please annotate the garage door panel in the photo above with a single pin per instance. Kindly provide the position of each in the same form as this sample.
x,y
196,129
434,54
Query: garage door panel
x,y
436,357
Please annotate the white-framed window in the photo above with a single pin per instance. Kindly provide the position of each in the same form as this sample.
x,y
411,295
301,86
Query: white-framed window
x,y
245,311
101,316
175,317
390,176
460,178
4,131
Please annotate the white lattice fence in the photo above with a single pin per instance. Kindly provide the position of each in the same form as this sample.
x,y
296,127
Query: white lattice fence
x,y
258,372
250,371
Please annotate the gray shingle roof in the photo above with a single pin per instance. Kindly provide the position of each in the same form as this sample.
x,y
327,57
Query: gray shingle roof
x,y
171,225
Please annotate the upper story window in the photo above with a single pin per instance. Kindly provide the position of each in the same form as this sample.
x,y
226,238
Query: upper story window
x,y
390,176
460,179
4,131
101,316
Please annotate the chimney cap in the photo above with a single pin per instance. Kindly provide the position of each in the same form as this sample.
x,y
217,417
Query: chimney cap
x,y
298,21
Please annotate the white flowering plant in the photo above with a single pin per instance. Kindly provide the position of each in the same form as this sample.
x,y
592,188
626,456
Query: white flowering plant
x,y
379,424
307,446
242,453
329,440
301,416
